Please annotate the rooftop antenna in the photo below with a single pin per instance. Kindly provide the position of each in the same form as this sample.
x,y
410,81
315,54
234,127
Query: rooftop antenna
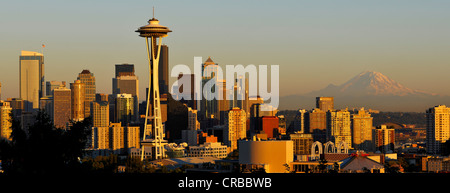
x,y
153,11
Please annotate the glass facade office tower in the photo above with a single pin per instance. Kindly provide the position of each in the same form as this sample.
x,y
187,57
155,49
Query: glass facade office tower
x,y
125,109
127,82
31,78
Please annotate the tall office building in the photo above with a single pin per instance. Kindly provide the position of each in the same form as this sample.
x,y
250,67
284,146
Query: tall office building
x,y
163,70
223,105
240,94
362,130
300,122
384,139
77,98
127,82
125,109
317,124
325,103
339,127
438,128
100,113
88,79
209,108
193,123
62,106
5,120
31,79
235,127
51,85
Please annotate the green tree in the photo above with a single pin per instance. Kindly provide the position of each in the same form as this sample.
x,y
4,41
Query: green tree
x,y
44,149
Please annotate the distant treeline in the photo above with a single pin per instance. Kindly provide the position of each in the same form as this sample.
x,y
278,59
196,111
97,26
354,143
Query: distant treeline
x,y
407,118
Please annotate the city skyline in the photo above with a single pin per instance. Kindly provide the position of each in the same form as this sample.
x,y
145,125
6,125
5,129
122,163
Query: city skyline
x,y
403,41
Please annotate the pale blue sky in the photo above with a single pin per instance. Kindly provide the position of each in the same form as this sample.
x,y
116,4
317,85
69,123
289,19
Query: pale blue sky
x,y
315,42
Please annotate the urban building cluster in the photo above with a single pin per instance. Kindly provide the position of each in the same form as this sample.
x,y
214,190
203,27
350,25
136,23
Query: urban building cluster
x,y
229,135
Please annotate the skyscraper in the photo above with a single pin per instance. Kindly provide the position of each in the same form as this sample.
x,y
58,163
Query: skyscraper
x,y
438,128
100,113
384,139
300,121
127,82
317,124
62,106
77,98
362,130
325,103
235,127
338,127
31,78
163,70
88,79
208,104
5,120
125,109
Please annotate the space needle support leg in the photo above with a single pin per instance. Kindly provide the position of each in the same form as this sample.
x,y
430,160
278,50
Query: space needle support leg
x,y
148,99
156,101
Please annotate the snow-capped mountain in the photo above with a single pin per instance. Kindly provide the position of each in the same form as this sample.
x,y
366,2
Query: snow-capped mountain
x,y
371,90
369,83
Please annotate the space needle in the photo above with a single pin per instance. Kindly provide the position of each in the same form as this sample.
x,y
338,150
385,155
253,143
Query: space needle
x,y
153,32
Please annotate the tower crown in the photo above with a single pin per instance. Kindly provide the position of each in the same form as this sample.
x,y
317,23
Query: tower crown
x,y
153,29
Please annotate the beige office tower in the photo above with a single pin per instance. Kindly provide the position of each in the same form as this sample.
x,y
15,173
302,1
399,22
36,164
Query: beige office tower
x,y
362,130
438,128
31,79
62,105
338,127
78,94
100,113
236,127
5,120
325,103
88,79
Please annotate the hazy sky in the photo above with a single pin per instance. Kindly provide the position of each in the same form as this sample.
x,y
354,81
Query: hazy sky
x,y
315,42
